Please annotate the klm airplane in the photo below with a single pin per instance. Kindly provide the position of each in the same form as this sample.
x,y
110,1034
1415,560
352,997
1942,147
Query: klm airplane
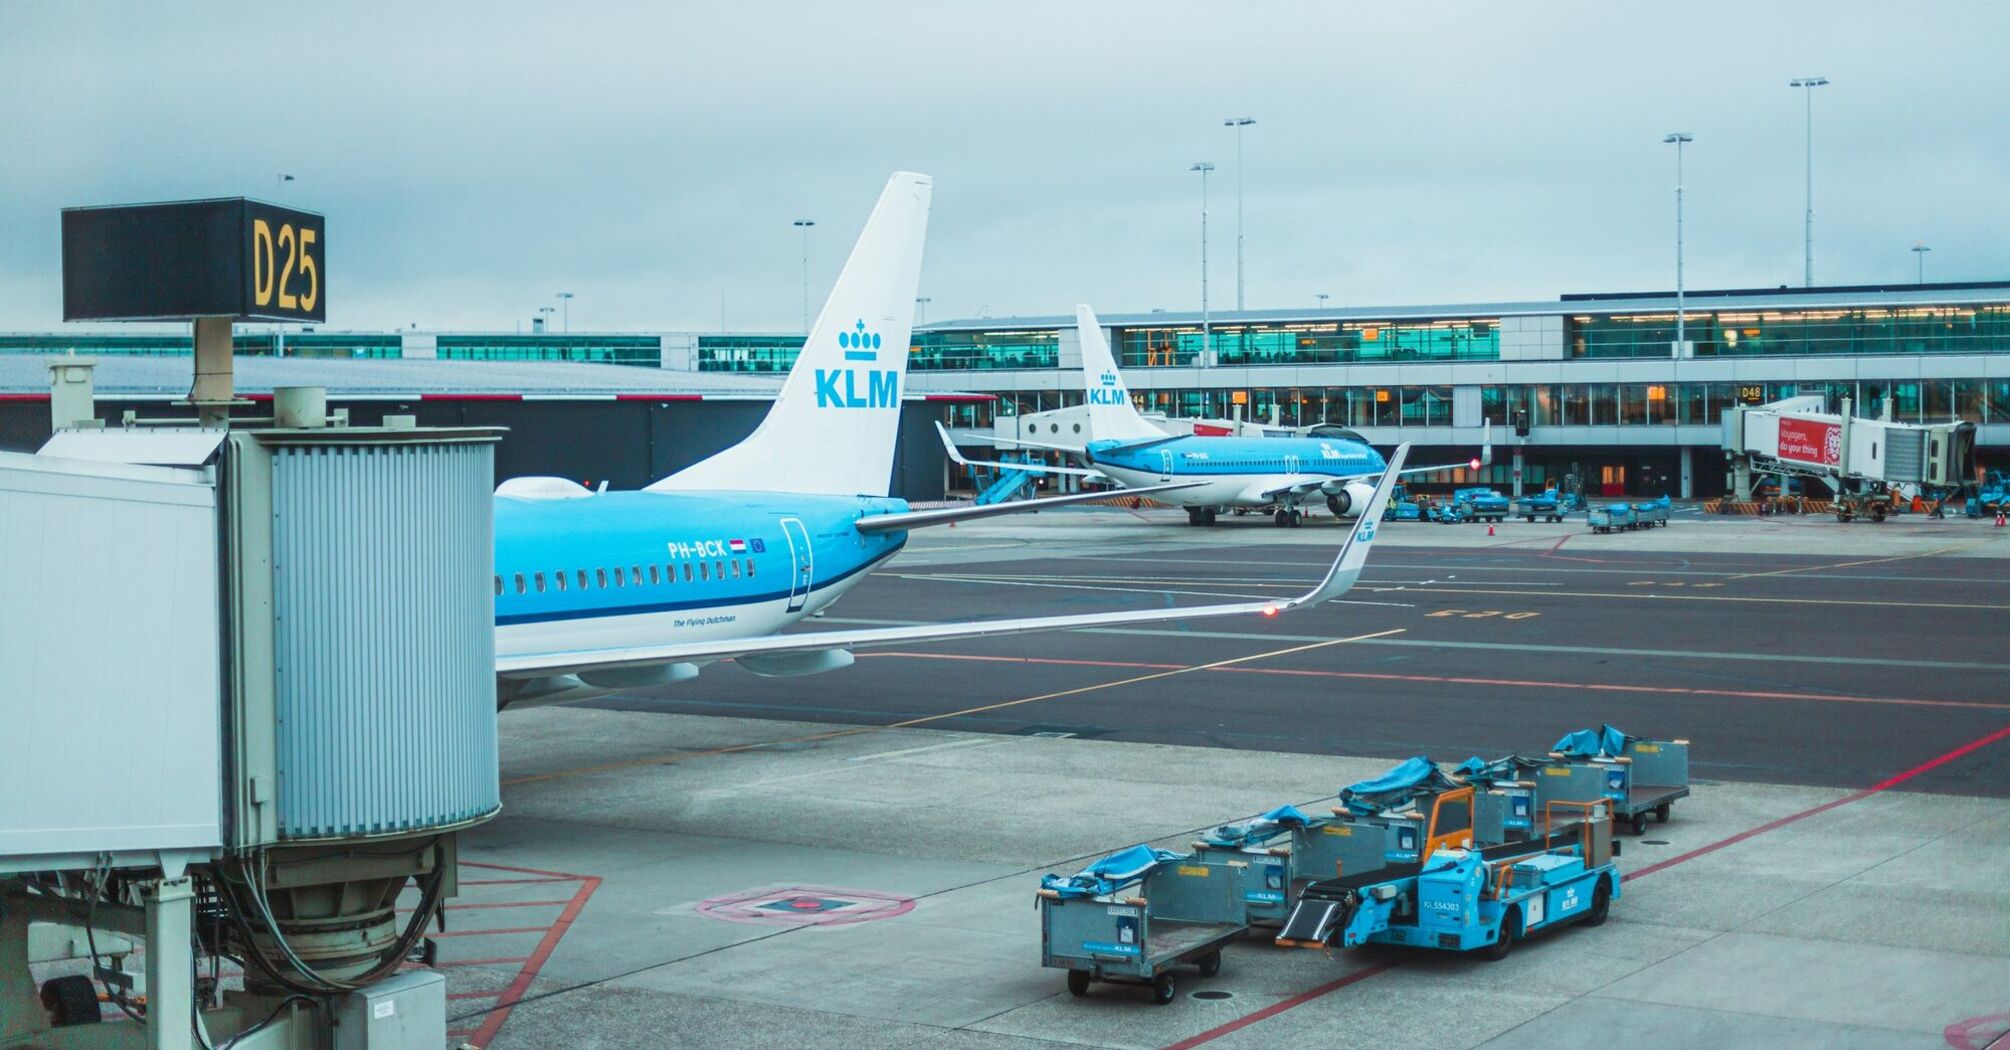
x,y
1211,473
598,592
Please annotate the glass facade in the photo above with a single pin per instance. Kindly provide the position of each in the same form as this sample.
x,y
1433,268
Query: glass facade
x,y
979,351
247,344
1332,342
646,350
1783,333
748,353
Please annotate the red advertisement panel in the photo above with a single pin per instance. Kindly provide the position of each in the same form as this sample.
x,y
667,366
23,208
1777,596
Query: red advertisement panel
x,y
1810,441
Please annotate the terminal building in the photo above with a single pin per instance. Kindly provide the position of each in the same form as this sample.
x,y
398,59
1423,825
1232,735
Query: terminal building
x,y
1607,394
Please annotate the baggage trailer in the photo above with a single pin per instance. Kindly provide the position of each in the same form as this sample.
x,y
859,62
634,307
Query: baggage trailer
x,y
1462,900
1264,843
1612,518
1134,916
1545,506
1396,818
1648,515
1638,776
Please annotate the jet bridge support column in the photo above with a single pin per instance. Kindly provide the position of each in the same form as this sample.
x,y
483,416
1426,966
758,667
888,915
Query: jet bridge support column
x,y
1688,472
169,966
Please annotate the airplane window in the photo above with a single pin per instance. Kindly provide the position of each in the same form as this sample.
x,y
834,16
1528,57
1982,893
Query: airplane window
x,y
719,569
687,572
582,579
669,574
600,577
653,580
617,575
519,583
736,570
635,575
559,578
498,586
704,571
750,568
540,582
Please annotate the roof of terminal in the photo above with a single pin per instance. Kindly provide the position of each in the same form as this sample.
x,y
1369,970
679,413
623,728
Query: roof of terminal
x,y
1742,299
118,376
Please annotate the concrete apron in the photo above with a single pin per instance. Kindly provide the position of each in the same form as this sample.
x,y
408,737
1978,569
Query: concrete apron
x,y
1876,918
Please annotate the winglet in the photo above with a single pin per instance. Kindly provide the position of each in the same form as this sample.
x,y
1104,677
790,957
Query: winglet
x,y
1353,554
1487,443
949,446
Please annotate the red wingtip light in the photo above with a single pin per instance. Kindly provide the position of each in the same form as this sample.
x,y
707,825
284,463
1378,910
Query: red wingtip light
x,y
1474,463
1270,610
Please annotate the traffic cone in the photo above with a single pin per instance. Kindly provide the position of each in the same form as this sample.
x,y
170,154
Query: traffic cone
x,y
1999,517
1490,528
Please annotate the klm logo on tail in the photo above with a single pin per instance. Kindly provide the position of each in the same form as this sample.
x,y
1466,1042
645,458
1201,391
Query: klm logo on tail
x,y
1106,391
840,387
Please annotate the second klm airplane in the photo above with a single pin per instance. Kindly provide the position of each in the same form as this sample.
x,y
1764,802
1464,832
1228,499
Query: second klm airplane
x,y
600,592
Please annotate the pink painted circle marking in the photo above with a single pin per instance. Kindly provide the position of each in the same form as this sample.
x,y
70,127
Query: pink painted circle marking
x,y
800,905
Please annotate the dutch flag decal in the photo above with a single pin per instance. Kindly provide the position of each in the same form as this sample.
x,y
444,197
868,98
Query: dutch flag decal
x,y
737,546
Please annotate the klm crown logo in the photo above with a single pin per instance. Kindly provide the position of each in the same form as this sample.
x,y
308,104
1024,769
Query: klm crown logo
x,y
1108,393
859,344
839,387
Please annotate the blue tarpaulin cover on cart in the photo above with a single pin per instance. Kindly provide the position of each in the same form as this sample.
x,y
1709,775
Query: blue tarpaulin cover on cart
x,y
1257,829
1413,777
1109,874
1507,767
1591,743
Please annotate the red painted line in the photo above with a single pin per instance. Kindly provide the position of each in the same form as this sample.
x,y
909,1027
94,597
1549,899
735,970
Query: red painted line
x,y
507,904
506,882
515,992
549,876
488,933
1883,785
1383,676
24,397
483,962
1282,1005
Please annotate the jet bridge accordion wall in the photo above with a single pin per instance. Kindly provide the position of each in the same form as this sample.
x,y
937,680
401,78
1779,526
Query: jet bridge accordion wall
x,y
383,637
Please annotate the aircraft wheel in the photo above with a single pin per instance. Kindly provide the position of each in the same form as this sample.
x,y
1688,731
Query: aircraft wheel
x,y
1195,516
1207,516
1282,519
1295,518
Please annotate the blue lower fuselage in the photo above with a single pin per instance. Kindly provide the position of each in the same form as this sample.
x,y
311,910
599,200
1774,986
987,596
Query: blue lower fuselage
x,y
1231,468
648,568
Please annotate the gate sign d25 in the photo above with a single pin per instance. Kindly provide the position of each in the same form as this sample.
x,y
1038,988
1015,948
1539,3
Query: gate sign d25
x,y
232,257
1810,441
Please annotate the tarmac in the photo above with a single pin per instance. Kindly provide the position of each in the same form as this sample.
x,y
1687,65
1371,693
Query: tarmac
x,y
849,860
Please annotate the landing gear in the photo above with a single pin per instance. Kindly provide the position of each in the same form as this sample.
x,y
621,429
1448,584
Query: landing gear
x,y
1290,518
1201,516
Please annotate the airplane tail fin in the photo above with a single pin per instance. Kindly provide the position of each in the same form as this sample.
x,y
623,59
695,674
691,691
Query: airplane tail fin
x,y
833,429
1112,417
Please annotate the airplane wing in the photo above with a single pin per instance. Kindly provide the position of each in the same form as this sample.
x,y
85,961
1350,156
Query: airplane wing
x,y
956,457
1283,483
915,519
778,651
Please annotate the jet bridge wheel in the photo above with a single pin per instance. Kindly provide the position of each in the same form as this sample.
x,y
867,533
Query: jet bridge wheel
x,y
70,1001
1078,982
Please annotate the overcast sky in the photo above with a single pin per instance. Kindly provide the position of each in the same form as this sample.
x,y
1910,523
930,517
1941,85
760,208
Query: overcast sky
x,y
474,159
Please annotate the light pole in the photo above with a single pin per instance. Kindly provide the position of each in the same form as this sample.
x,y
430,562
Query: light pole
x,y
1680,139
565,316
921,309
1322,297
1919,251
1809,84
804,225
544,317
1238,123
1206,330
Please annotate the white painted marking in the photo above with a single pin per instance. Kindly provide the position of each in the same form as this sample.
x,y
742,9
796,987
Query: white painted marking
x,y
953,745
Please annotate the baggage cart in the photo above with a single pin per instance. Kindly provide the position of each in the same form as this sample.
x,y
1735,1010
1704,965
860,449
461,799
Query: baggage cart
x,y
1134,916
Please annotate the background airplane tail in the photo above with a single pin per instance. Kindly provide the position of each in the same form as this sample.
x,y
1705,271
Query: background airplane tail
x,y
834,427
1112,416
